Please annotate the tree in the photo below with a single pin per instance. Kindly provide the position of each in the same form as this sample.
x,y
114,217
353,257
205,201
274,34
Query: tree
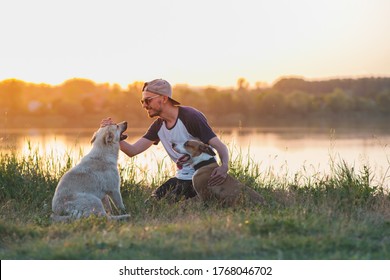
x,y
383,100
338,101
74,89
11,95
299,102
273,104
242,85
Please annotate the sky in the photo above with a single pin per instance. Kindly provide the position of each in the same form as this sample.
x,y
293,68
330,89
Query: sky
x,y
195,42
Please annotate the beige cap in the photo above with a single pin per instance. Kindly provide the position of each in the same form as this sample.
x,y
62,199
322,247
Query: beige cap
x,y
160,87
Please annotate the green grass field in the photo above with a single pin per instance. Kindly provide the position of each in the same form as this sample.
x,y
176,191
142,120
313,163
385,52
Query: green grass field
x,y
341,215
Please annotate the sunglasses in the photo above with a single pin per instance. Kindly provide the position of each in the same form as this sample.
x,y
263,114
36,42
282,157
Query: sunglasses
x,y
147,100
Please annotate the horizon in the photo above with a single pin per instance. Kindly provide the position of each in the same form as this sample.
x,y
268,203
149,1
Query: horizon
x,y
198,43
250,86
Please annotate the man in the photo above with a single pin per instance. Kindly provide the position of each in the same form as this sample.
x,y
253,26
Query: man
x,y
175,124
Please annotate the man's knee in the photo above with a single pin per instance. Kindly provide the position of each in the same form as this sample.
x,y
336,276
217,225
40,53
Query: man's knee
x,y
175,189
165,188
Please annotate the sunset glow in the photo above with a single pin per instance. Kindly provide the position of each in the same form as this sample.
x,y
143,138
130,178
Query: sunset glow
x,y
194,42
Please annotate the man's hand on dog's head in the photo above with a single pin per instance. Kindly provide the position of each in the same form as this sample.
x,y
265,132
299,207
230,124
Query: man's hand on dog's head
x,y
106,122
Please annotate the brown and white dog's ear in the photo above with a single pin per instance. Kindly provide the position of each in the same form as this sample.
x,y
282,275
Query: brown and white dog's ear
x,y
207,149
93,138
109,137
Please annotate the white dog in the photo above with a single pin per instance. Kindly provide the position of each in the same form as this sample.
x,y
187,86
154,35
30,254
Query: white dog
x,y
84,189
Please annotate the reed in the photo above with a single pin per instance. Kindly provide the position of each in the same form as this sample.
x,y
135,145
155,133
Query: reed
x,y
341,215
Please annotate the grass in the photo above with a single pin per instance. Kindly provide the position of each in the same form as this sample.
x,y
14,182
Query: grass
x,y
341,215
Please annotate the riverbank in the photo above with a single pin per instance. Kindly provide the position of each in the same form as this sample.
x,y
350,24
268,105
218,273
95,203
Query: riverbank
x,y
338,216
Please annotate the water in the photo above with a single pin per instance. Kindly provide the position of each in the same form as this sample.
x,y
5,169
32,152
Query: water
x,y
282,151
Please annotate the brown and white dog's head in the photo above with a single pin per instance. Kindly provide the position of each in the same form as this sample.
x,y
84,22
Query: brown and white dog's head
x,y
193,151
110,134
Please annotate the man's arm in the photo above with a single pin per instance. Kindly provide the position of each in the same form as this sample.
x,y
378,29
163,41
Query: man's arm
x,y
134,149
220,173
130,149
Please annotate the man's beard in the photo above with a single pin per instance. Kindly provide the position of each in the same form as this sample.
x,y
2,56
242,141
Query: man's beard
x,y
153,113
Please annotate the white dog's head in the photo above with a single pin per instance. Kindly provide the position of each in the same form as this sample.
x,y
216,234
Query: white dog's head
x,y
110,134
193,151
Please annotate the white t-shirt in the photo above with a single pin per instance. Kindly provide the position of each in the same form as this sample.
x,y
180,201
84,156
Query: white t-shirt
x,y
190,124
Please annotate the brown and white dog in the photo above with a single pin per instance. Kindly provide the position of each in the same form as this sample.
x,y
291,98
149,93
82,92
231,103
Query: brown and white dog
x,y
201,157
85,189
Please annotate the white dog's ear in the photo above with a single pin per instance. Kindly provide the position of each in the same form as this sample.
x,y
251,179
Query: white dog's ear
x,y
93,138
207,149
109,137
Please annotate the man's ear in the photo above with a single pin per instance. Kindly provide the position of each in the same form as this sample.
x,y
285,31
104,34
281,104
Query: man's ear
x,y
93,138
109,137
207,149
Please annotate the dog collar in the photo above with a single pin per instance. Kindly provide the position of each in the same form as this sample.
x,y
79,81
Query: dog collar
x,y
204,163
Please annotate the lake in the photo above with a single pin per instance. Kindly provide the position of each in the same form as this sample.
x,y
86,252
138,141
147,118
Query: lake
x,y
278,151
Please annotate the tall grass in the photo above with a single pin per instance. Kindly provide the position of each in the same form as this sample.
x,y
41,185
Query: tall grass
x,y
340,215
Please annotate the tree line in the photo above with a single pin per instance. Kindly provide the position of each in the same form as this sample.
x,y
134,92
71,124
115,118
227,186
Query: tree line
x,y
83,103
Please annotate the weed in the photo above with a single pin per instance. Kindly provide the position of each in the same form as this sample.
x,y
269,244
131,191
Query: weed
x,y
341,215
